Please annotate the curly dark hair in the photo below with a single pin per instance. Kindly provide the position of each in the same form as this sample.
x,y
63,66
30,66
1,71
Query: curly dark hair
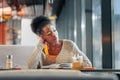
x,y
38,23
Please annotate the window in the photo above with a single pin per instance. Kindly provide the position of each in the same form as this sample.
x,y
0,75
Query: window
x,y
116,32
97,36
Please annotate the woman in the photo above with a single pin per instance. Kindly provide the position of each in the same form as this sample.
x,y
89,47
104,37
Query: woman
x,y
50,49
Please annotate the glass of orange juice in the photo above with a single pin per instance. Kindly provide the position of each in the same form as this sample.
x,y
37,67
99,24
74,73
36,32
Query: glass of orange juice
x,y
77,62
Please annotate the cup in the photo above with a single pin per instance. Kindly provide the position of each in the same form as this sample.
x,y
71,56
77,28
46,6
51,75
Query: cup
x,y
77,62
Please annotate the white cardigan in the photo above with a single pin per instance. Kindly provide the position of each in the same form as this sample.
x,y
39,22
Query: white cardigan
x,y
69,48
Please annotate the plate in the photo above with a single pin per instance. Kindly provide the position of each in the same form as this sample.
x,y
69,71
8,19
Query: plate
x,y
65,65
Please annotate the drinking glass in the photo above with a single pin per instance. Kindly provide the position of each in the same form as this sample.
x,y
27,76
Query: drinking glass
x,y
77,62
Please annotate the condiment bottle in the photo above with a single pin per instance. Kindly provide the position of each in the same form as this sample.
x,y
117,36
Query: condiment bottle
x,y
9,61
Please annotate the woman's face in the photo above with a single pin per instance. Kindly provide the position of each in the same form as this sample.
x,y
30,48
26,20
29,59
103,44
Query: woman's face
x,y
50,34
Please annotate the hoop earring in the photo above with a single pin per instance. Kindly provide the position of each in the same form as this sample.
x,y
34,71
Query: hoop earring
x,y
44,41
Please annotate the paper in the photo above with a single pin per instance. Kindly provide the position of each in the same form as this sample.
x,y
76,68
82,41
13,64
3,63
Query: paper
x,y
56,66
51,66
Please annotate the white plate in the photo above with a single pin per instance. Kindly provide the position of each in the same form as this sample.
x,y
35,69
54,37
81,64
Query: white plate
x,y
65,65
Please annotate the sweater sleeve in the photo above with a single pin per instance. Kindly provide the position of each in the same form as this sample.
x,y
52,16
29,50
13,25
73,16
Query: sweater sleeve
x,y
36,57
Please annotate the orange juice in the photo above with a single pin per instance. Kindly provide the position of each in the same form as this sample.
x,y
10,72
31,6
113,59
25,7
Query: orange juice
x,y
77,65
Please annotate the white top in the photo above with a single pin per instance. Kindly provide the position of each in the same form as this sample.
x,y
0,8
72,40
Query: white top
x,y
69,48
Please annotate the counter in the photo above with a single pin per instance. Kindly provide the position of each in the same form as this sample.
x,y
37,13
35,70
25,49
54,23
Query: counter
x,y
54,74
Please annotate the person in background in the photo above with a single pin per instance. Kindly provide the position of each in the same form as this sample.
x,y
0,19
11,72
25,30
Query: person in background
x,y
51,49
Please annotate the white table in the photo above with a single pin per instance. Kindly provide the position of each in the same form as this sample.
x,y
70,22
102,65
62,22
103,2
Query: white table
x,y
54,74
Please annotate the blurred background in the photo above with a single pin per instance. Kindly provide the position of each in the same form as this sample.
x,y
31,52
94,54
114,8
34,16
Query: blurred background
x,y
94,25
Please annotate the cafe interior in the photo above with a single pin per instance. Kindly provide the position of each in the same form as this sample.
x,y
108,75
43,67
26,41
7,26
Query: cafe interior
x,y
92,24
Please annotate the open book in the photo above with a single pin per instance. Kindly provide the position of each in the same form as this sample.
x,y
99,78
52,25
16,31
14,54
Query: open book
x,y
57,66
